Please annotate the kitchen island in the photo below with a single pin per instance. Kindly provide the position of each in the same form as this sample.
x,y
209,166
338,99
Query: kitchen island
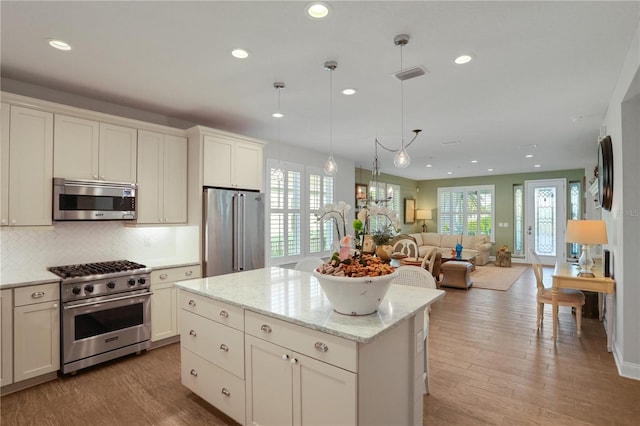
x,y
265,347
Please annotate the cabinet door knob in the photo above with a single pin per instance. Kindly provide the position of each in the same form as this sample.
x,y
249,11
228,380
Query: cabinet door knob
x,y
285,357
224,348
193,333
163,276
294,360
224,314
55,306
37,294
225,392
192,302
265,328
321,347
188,273
194,373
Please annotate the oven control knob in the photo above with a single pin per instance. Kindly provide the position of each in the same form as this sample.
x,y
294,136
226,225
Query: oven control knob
x,y
75,290
142,281
131,282
111,285
88,288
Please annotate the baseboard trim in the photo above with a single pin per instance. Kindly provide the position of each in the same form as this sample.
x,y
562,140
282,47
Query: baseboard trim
x,y
24,384
625,369
164,342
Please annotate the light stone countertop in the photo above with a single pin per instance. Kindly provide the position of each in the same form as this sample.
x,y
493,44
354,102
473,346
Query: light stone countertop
x,y
26,277
297,297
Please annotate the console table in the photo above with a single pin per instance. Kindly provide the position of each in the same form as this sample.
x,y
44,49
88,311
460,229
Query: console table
x,y
565,275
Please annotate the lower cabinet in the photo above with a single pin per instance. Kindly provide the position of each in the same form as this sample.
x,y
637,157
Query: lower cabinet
x,y
6,339
36,331
164,301
287,388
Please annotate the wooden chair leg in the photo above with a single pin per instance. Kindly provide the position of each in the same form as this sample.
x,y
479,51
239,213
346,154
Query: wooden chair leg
x,y
540,312
579,319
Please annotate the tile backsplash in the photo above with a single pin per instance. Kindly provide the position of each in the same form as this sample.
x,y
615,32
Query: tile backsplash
x,y
81,242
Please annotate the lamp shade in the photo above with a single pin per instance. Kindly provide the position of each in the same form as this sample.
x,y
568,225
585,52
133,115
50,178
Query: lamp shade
x,y
586,232
421,214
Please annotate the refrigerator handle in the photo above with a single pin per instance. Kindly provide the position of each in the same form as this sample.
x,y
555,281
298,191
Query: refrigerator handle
x,y
234,208
241,231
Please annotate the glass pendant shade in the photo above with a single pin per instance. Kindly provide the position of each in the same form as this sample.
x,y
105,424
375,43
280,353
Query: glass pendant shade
x,y
330,166
402,160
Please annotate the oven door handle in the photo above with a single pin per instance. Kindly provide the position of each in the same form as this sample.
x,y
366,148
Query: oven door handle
x,y
115,299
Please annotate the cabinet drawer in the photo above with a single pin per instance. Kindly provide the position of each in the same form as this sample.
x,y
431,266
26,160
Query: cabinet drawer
x,y
36,294
175,274
217,343
325,347
220,312
215,385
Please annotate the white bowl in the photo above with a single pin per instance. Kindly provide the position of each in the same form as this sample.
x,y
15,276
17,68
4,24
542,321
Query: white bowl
x,y
355,296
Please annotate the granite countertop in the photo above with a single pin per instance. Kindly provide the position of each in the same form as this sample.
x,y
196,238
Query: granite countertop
x,y
297,297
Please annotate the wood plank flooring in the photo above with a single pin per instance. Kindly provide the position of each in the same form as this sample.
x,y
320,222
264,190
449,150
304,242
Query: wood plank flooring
x,y
488,365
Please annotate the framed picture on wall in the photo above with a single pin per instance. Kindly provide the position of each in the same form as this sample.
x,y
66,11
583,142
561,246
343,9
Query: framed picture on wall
x,y
409,210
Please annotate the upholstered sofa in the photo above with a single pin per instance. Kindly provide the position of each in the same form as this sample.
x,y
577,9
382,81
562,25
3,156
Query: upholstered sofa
x,y
428,240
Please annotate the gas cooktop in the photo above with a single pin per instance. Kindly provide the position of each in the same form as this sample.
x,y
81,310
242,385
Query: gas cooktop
x,y
98,268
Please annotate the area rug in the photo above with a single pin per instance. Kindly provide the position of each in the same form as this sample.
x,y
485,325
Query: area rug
x,y
496,278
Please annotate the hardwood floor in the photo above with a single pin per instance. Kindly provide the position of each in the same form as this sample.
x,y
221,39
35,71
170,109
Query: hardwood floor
x,y
488,365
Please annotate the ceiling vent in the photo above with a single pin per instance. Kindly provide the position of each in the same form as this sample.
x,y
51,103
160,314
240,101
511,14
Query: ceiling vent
x,y
409,73
450,143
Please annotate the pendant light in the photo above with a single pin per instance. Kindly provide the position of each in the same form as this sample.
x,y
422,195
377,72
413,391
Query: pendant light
x,y
402,159
278,173
330,166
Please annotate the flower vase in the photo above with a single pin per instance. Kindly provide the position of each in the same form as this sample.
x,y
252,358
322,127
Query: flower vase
x,y
384,252
458,251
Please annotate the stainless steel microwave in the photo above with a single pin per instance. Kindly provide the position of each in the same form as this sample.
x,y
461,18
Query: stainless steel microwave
x,y
93,200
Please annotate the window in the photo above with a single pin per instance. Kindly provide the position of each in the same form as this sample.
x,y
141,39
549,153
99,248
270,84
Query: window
x,y
290,236
466,210
384,191
575,204
518,220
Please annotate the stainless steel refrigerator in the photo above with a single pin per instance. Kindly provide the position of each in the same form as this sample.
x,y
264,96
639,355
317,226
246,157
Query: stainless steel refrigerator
x,y
233,231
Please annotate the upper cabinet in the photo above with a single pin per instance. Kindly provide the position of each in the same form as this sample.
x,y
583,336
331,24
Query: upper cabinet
x,y
86,149
232,163
162,178
26,160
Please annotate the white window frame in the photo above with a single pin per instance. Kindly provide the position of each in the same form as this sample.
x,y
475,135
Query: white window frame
x,y
385,188
326,227
465,190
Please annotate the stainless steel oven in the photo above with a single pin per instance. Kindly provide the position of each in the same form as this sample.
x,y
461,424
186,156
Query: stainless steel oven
x,y
106,313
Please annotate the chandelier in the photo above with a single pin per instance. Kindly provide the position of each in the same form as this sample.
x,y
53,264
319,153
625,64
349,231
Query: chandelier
x,y
278,173
402,160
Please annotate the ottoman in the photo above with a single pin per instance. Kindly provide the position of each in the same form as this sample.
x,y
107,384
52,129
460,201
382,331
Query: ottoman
x,y
456,274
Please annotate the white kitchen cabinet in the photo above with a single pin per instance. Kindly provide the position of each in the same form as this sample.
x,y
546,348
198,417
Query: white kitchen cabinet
x,y
6,340
27,166
164,301
212,353
232,163
36,320
162,178
87,149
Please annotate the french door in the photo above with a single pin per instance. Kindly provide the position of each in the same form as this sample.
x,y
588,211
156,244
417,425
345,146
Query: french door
x,y
546,219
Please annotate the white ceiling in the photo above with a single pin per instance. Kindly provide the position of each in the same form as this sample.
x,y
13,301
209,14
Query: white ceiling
x,y
537,65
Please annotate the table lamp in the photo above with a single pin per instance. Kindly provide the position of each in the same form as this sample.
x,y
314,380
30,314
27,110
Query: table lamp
x,y
586,232
423,215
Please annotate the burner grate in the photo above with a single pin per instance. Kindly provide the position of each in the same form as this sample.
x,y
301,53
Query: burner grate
x,y
97,268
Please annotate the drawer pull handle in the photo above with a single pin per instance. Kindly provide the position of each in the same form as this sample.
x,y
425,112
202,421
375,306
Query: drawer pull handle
x,y
224,314
192,302
37,294
193,333
285,357
225,392
224,348
265,328
321,347
194,373
163,276
188,273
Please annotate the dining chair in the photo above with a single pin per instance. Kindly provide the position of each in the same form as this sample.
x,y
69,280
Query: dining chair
x,y
566,296
418,277
308,264
432,262
406,246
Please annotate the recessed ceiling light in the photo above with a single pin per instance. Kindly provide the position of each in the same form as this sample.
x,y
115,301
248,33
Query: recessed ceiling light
x,y
317,10
474,161
489,170
277,115
429,165
59,44
529,156
463,59
240,53
537,165
449,173
349,92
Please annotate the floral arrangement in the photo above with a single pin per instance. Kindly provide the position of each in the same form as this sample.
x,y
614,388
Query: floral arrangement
x,y
337,212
